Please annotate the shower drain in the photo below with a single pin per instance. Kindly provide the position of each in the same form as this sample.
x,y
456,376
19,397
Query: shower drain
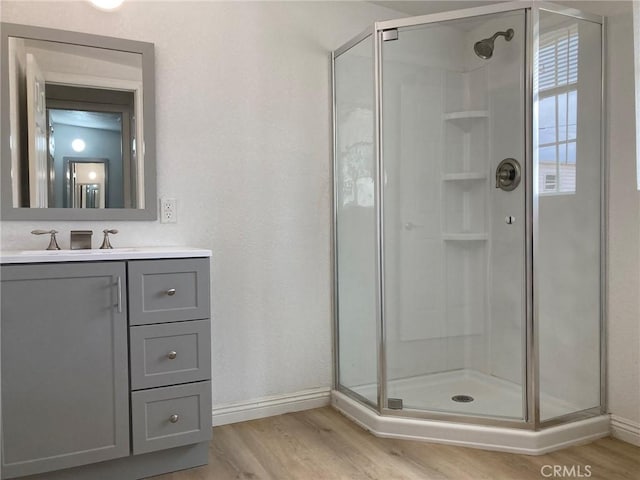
x,y
462,398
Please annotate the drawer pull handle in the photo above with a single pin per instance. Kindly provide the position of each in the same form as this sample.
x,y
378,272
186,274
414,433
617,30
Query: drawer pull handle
x,y
172,355
174,418
171,292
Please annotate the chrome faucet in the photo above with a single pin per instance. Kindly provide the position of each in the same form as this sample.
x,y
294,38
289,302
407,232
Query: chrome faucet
x,y
106,243
53,243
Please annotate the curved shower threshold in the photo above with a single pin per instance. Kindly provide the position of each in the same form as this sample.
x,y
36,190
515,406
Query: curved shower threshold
x,y
501,439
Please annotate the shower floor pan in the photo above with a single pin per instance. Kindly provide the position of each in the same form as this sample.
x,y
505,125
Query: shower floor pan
x,y
491,396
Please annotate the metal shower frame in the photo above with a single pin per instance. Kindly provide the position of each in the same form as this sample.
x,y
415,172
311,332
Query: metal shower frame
x,y
531,399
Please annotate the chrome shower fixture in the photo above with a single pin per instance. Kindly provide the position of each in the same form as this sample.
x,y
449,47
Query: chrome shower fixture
x,y
484,48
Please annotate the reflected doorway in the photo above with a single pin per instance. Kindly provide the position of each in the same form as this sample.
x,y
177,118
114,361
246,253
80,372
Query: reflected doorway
x,y
86,183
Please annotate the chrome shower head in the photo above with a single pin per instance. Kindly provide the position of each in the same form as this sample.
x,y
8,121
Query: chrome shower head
x,y
484,48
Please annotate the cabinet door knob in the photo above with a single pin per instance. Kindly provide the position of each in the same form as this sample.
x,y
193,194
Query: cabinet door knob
x,y
174,418
171,292
172,355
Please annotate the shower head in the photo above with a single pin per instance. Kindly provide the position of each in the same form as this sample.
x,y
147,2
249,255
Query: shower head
x,y
484,48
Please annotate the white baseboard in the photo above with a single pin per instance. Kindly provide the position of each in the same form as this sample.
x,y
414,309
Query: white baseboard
x,y
270,406
625,430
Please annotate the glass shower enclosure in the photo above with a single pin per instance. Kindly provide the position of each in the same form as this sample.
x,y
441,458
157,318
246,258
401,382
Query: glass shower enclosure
x,y
469,216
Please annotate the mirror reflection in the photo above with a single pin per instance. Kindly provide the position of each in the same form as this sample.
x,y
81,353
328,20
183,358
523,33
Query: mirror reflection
x,y
76,119
86,183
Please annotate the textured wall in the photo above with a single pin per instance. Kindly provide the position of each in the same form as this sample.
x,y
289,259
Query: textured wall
x,y
244,142
624,226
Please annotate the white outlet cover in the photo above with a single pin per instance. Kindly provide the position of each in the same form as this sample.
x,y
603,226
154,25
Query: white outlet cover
x,y
168,210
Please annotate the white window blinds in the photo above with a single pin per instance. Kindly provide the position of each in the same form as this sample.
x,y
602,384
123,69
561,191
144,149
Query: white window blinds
x,y
558,62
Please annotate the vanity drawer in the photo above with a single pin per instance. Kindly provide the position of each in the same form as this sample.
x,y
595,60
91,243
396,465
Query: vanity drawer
x,y
170,416
168,290
170,353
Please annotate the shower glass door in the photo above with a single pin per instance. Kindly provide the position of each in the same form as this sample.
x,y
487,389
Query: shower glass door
x,y
355,223
453,109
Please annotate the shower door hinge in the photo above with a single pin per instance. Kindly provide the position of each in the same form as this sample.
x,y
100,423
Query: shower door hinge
x,y
394,403
391,34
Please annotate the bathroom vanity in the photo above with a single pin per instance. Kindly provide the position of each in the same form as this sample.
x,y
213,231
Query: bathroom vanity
x,y
106,369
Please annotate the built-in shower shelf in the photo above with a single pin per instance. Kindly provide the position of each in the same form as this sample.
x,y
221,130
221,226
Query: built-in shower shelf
x,y
465,237
465,118
455,177
466,114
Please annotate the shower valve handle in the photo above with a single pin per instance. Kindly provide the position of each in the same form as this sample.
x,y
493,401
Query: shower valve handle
x,y
508,174
503,175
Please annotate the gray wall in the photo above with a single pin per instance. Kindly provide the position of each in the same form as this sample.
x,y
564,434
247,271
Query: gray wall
x,y
624,227
99,144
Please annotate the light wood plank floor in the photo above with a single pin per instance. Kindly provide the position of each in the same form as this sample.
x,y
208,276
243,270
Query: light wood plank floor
x,y
322,444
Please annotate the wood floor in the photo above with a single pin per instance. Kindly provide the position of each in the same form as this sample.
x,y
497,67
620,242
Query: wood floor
x,y
322,444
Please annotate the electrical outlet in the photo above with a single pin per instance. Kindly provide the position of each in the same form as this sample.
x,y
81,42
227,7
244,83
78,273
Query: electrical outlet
x,y
168,210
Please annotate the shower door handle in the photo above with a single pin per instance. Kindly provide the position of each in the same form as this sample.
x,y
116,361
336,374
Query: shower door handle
x,y
411,226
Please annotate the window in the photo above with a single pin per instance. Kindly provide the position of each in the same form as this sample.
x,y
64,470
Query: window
x,y
558,110
356,158
550,182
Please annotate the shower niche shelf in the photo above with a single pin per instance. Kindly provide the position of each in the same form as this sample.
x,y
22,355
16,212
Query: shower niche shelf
x,y
463,176
465,237
466,114
465,148
465,241
466,118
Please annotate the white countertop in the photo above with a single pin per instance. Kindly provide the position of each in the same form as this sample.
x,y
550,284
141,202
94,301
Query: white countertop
x,y
131,253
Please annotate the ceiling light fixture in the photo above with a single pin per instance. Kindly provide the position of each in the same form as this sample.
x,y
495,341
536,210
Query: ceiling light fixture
x,y
106,5
78,145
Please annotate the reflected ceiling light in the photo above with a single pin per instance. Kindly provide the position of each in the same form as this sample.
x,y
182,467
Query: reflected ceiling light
x,y
78,145
92,175
106,5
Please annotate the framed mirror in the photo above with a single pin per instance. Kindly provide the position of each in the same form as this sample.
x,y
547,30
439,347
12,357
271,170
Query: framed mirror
x,y
78,126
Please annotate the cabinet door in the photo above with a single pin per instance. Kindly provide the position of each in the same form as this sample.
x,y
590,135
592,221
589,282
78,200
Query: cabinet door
x,y
64,366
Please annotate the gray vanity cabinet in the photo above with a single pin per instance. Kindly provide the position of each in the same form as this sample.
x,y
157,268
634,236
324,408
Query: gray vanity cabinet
x,y
170,347
65,387
106,368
